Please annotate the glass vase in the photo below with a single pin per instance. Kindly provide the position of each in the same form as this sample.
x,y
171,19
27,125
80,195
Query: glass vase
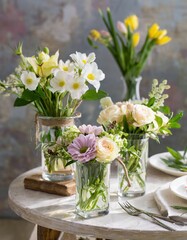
x,y
53,165
133,184
92,188
132,88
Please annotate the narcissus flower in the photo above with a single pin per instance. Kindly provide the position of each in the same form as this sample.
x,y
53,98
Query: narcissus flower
x,y
81,59
77,87
93,75
135,39
30,80
131,22
66,66
60,81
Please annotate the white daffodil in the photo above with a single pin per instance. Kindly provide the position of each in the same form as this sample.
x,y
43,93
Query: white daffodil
x,y
60,80
66,66
30,80
77,87
93,75
81,59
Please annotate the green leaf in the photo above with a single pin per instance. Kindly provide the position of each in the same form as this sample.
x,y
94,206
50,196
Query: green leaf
x,y
174,153
177,117
159,121
165,110
174,125
93,95
70,162
125,124
19,102
151,102
29,95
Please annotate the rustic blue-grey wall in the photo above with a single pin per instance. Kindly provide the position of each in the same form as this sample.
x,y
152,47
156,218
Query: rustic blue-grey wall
x,y
64,25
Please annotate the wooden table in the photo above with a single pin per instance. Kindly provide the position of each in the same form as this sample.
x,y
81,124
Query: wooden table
x,y
55,212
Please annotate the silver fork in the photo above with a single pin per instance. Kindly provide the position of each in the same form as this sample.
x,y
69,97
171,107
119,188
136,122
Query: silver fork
x,y
131,210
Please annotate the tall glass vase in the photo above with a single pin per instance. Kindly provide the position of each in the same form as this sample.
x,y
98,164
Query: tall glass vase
x,y
53,166
132,87
133,184
92,188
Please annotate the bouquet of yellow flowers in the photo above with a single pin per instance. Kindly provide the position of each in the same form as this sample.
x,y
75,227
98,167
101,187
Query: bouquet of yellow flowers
x,y
122,43
55,88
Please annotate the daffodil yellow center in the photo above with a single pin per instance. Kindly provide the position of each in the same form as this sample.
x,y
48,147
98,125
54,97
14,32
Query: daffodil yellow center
x,y
65,68
29,81
61,83
91,76
75,86
84,61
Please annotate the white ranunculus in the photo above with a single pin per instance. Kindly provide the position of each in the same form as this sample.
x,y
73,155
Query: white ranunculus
x,y
142,115
30,80
109,115
93,75
60,80
106,102
107,150
77,87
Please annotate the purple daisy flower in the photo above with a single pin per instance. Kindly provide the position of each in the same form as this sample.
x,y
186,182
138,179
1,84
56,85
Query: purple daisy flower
x,y
89,129
83,148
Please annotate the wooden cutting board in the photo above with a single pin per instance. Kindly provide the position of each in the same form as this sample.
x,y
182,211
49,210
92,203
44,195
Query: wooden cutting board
x,y
37,183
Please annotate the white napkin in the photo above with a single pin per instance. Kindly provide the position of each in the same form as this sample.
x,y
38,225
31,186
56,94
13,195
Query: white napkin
x,y
165,198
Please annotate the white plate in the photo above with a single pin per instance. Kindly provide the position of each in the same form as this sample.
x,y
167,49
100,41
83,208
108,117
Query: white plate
x,y
156,162
177,186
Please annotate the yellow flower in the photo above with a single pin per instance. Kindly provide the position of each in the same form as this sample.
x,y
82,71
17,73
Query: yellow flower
x,y
46,65
94,34
131,22
135,39
46,68
163,40
153,30
161,33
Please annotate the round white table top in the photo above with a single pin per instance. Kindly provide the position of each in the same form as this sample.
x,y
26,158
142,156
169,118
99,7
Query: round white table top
x,y
57,212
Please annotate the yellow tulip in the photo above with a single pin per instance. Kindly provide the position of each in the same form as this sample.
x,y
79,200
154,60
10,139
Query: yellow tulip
x,y
163,40
94,34
153,30
161,34
135,39
131,22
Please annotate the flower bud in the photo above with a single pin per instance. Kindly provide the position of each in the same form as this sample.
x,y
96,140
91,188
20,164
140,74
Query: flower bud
x,y
163,40
131,22
121,27
94,34
153,30
135,39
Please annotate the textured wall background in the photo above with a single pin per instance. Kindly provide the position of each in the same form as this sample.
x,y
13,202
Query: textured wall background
x,y
64,25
